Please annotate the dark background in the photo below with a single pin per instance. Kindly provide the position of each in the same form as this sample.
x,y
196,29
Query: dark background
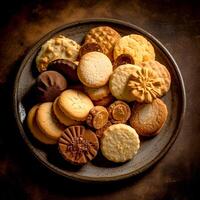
x,y
176,24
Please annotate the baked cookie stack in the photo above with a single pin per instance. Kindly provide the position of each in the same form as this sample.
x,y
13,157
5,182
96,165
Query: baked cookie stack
x,y
101,95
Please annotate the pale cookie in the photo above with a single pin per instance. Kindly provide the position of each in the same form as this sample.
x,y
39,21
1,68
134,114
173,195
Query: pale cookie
x,y
61,115
97,93
145,85
47,121
75,104
36,132
59,47
119,143
161,72
138,47
94,69
119,80
148,119
105,37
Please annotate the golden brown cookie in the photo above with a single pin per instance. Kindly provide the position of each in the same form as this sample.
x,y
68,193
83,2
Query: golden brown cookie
x,y
99,132
94,69
122,60
161,72
119,112
59,47
106,101
105,36
98,117
75,104
148,119
78,145
138,47
145,85
119,143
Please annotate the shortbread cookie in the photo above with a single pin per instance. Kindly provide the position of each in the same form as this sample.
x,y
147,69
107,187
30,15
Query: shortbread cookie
x,y
106,101
97,93
75,104
59,47
161,72
100,132
122,60
49,85
36,132
148,119
94,69
119,143
61,115
47,121
98,117
78,145
119,112
119,80
105,36
138,47
145,85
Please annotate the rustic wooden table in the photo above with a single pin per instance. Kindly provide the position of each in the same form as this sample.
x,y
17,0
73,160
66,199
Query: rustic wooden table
x,y
176,24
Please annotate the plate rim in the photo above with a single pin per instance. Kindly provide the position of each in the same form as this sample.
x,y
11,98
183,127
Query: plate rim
x,y
80,178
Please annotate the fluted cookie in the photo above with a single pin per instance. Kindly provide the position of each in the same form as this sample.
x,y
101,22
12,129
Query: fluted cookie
x,y
148,119
119,80
105,36
98,117
78,145
138,47
161,72
59,47
94,69
75,104
119,143
47,121
35,130
119,112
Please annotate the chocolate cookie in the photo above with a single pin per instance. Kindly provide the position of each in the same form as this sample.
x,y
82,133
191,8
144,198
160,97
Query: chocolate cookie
x,y
89,47
49,85
78,145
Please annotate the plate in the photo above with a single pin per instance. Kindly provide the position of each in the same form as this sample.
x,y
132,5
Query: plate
x,y
101,170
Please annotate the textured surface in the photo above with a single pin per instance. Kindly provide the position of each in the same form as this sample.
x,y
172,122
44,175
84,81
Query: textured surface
x,y
176,176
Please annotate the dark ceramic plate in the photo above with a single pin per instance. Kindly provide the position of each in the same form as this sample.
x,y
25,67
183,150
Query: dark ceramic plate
x,y
101,170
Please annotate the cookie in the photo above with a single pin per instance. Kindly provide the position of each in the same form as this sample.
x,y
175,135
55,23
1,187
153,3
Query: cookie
x,y
119,112
61,115
89,47
106,101
148,119
119,80
138,47
98,117
105,37
119,143
59,47
161,72
145,85
66,67
47,121
94,69
49,85
99,132
36,132
78,145
122,60
75,104
97,93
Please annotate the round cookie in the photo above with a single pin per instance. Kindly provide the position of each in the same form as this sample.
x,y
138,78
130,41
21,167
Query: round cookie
x,y
94,69
119,80
122,60
148,119
58,47
161,72
47,121
105,37
61,116
49,85
106,101
138,47
119,143
75,104
36,132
